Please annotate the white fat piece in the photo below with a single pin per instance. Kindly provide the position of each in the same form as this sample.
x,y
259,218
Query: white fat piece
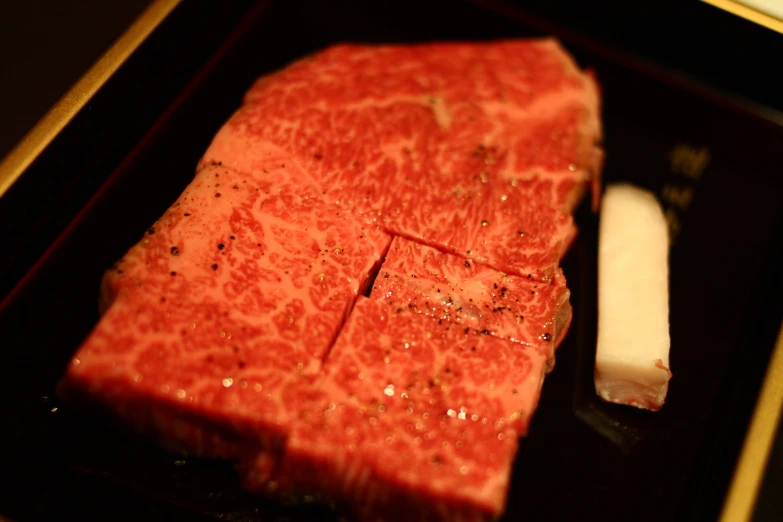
x,y
632,355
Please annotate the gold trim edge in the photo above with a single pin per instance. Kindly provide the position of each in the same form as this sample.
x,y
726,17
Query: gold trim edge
x,y
41,135
748,13
746,482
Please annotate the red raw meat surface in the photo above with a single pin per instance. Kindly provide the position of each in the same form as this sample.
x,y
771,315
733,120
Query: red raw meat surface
x,y
448,287
487,146
231,299
413,415
218,324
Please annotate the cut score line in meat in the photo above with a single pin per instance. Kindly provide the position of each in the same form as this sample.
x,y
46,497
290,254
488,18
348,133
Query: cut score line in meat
x,y
497,186
475,297
359,294
426,408
632,349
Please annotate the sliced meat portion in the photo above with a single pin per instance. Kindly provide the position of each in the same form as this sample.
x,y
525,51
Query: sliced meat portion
x,y
493,224
475,297
480,150
217,323
414,419
224,307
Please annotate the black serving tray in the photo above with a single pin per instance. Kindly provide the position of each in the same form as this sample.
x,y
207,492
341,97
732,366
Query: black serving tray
x,y
713,162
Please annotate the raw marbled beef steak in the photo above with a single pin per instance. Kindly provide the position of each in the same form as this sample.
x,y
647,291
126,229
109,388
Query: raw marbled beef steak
x,y
477,149
218,326
486,345
231,298
474,296
414,418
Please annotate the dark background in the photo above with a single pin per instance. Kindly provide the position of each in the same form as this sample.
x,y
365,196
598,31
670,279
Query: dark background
x,y
45,46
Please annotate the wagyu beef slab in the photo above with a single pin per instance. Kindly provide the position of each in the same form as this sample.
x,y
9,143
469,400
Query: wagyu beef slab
x,y
477,297
414,418
232,297
228,329
480,150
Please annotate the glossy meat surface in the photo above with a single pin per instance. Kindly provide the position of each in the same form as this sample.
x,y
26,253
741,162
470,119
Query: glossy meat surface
x,y
232,298
225,333
450,288
414,415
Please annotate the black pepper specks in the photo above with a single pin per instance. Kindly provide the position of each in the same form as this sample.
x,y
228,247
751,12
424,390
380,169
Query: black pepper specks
x,y
187,214
151,230
173,274
214,267
221,246
217,194
174,251
467,264
231,237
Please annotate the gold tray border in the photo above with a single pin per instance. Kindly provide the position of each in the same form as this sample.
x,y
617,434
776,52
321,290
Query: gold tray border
x,y
38,138
748,474
748,13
